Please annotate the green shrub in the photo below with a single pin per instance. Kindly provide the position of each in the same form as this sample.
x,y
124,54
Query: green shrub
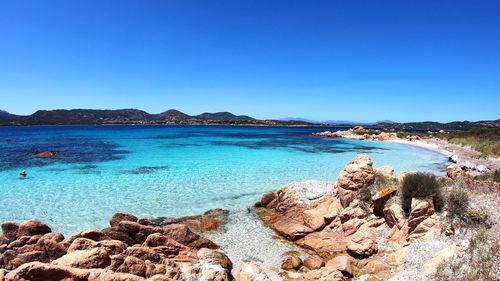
x,y
457,203
421,185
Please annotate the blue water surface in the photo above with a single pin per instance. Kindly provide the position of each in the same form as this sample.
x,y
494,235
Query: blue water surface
x,y
169,170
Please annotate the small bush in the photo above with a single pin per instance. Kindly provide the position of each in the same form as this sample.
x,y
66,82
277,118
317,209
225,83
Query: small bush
x,y
421,185
457,204
364,196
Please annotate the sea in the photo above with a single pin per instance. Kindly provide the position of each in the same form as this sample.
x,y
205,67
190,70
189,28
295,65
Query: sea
x,y
170,170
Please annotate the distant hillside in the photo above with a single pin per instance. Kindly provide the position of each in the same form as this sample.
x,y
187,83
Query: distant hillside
x,y
223,116
173,116
451,126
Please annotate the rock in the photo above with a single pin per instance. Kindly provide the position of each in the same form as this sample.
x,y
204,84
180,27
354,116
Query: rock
x,y
46,154
386,171
422,222
301,194
363,243
93,258
402,175
267,198
251,272
291,262
180,233
397,257
313,262
133,266
32,227
291,229
386,136
322,274
9,230
380,198
358,173
341,263
454,171
215,258
37,271
326,244
431,265
119,217
314,219
394,215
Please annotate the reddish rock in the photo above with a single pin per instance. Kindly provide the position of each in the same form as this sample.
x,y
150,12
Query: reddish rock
x,y
46,154
180,233
9,230
267,198
93,258
37,271
32,227
119,217
358,173
322,274
326,244
133,266
291,228
313,262
291,262
394,215
341,263
363,243
143,253
209,223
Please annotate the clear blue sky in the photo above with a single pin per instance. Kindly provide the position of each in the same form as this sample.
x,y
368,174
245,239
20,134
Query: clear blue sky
x,y
342,60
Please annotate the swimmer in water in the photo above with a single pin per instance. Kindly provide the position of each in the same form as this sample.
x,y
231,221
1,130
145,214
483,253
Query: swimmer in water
x,y
23,174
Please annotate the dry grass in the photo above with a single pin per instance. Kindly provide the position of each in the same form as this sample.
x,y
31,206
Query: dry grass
x,y
478,261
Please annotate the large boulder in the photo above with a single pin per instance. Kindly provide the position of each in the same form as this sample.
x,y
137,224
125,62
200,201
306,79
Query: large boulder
x,y
37,271
291,228
363,243
32,227
326,244
422,222
301,194
358,173
93,258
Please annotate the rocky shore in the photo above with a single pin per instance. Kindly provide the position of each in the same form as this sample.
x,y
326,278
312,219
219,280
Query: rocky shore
x,y
464,157
351,229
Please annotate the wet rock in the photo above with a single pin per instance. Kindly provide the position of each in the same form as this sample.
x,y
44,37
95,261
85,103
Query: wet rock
x,y
313,262
32,227
267,198
291,262
119,217
251,272
9,230
46,154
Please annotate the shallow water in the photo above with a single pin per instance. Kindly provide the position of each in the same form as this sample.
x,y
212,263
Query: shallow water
x,y
169,170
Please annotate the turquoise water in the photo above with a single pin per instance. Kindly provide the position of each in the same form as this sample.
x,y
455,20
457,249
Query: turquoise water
x,y
169,170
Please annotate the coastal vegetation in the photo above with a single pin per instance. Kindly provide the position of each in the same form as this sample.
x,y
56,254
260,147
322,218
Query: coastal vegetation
x,y
421,185
484,140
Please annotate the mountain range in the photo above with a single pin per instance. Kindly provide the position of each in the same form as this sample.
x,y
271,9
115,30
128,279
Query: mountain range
x,y
173,116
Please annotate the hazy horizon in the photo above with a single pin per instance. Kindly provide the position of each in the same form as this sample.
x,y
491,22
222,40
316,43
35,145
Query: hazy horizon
x,y
360,61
